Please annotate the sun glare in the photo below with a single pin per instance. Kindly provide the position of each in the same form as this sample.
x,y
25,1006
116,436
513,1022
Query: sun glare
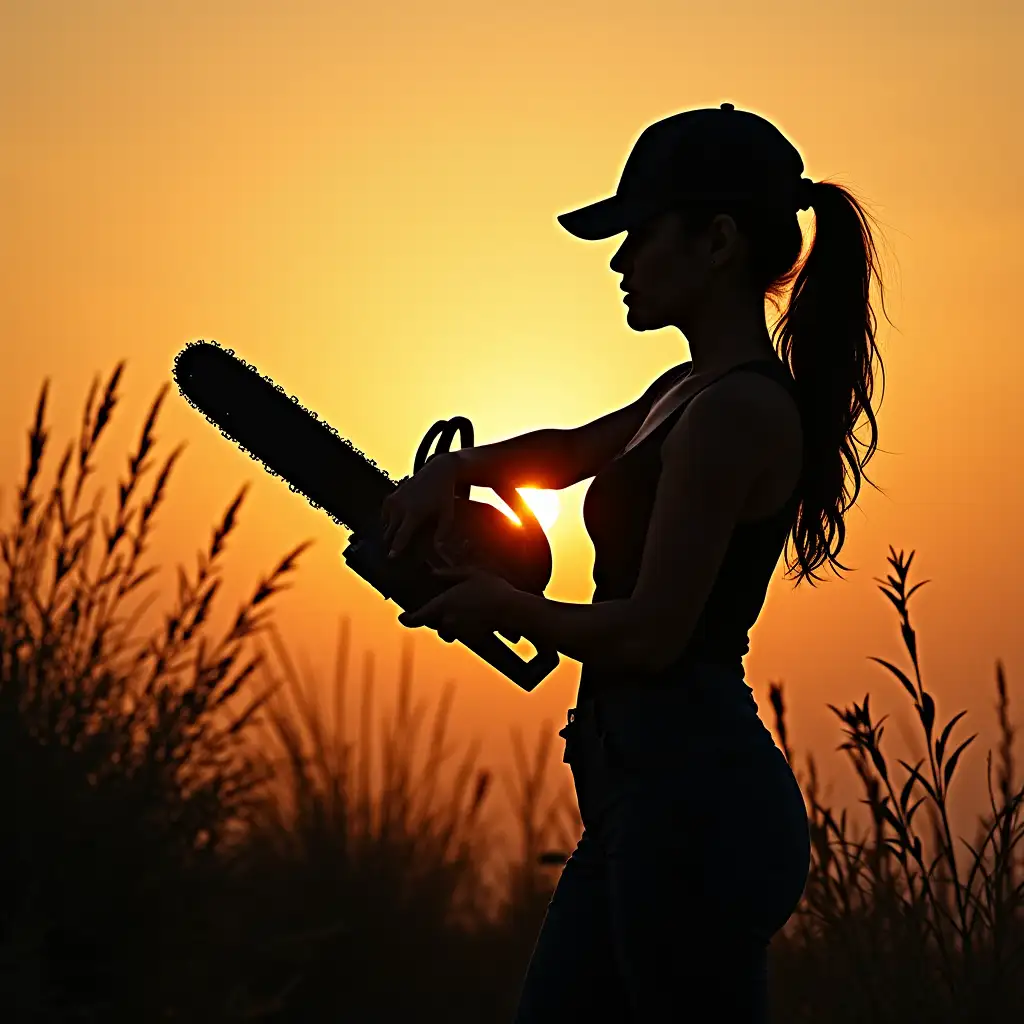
x,y
543,504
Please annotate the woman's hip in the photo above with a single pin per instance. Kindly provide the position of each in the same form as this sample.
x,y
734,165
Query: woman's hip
x,y
663,790
682,729
692,767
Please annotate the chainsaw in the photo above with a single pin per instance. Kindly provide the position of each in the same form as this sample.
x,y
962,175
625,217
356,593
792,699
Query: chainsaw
x,y
333,475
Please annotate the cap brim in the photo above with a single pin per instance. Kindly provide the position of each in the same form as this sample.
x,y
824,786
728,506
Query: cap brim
x,y
602,219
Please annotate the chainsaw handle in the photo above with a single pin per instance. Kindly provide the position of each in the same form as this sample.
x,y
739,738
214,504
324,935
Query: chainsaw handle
x,y
444,431
411,591
525,674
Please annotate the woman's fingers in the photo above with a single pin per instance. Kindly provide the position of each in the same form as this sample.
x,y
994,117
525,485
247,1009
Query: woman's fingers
x,y
424,616
401,536
442,534
387,519
445,631
405,522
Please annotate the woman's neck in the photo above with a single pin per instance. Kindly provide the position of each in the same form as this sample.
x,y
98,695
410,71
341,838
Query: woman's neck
x,y
727,331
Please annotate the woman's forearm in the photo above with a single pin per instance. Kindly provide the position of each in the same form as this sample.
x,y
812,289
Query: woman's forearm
x,y
610,632
539,458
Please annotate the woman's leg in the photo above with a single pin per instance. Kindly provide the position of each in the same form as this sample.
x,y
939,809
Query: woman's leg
x,y
572,976
680,956
705,863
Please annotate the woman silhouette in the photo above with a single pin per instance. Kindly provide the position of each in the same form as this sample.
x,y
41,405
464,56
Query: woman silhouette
x,y
695,848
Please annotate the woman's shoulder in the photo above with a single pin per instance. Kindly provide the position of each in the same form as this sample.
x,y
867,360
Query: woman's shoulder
x,y
744,403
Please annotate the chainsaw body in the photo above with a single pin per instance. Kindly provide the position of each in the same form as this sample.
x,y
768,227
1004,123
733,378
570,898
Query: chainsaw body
x,y
308,453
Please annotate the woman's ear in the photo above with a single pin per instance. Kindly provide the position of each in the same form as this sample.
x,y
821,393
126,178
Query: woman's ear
x,y
722,239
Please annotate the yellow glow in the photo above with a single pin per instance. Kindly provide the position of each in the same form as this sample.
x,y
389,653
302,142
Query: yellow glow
x,y
543,504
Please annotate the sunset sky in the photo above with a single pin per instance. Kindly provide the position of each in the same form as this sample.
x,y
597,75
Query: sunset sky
x,y
361,200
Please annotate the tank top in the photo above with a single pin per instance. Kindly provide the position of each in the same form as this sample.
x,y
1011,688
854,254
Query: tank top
x,y
616,512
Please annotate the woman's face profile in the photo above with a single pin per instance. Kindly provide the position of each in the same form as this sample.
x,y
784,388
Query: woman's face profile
x,y
665,270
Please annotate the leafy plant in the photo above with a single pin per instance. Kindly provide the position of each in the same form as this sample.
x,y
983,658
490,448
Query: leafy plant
x,y
895,927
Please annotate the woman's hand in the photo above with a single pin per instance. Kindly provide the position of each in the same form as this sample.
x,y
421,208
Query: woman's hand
x,y
429,494
482,600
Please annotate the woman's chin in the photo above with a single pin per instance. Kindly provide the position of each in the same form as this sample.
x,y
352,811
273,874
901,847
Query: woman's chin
x,y
640,319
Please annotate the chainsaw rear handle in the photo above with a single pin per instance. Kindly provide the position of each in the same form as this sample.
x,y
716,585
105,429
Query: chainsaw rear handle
x,y
367,557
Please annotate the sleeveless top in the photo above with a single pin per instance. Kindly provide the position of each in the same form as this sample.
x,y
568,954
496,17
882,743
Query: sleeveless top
x,y
616,511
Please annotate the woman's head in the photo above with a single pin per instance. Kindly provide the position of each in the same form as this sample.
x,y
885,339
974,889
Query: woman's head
x,y
709,202
677,263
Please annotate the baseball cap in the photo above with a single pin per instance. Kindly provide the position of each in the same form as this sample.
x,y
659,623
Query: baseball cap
x,y
705,153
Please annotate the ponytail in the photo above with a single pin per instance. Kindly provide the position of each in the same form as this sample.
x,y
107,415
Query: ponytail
x,y
827,338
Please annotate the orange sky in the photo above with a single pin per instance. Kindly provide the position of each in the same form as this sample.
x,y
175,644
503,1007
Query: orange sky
x,y
361,200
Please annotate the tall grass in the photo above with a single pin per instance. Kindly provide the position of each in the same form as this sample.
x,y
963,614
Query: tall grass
x,y
193,832
125,781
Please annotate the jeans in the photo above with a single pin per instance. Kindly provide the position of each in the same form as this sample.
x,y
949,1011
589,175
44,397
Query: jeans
x,y
695,851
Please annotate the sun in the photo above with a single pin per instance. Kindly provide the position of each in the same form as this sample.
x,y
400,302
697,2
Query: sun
x,y
543,504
